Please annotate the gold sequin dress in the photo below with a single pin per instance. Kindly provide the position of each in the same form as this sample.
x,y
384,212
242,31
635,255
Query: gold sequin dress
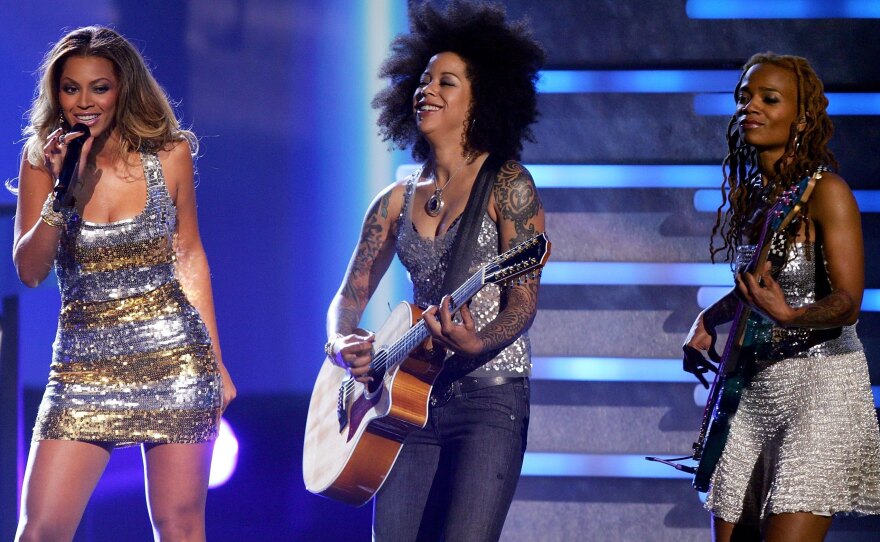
x,y
132,360
805,437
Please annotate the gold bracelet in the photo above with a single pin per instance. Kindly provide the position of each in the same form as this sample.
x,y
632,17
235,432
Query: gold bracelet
x,y
56,219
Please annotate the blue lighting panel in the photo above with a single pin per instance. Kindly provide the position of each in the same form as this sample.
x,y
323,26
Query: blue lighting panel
x,y
584,369
871,300
614,176
839,103
646,81
598,465
707,201
625,176
876,390
710,294
783,9
620,273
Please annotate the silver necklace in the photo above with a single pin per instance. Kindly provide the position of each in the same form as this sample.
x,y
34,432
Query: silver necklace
x,y
435,203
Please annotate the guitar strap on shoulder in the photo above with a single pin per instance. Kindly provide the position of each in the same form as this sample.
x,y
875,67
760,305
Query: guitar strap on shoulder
x,y
469,228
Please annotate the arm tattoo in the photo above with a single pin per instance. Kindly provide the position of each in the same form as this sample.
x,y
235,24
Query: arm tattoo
x,y
355,291
722,312
517,200
829,312
383,205
514,318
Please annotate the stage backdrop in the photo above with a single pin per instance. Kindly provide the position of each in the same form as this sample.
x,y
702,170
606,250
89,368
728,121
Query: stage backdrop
x,y
635,100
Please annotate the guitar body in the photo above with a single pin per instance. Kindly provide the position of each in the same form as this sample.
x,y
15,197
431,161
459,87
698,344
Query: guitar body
x,y
354,432
730,390
351,463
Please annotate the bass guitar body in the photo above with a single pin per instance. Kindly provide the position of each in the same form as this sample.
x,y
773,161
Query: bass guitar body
x,y
356,453
740,348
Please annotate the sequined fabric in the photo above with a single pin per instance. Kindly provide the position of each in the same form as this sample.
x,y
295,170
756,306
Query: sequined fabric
x,y
132,359
805,436
426,259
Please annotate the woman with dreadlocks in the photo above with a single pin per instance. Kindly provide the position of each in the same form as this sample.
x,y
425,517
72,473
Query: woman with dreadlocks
x,y
462,89
803,443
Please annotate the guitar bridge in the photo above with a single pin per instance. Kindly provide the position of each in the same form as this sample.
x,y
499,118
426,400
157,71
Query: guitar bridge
x,y
341,413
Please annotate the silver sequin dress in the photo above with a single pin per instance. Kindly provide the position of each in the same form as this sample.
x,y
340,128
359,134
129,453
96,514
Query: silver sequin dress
x,y
426,260
132,359
805,436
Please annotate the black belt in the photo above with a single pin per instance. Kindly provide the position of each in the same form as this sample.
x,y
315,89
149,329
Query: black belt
x,y
470,383
442,393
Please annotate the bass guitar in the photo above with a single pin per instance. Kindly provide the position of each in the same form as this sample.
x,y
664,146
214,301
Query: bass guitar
x,y
739,350
354,432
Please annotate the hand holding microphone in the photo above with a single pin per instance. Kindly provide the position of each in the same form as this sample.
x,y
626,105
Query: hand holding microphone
x,y
74,141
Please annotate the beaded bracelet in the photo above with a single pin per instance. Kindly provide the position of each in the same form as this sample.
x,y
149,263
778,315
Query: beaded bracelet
x,y
328,347
56,219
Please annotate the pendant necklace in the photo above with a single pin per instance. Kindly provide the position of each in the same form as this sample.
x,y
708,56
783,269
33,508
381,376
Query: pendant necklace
x,y
435,203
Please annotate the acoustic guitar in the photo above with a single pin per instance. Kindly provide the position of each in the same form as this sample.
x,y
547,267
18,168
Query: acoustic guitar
x,y
354,432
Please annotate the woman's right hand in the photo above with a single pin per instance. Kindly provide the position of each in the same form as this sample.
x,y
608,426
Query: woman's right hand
x,y
698,341
354,353
55,150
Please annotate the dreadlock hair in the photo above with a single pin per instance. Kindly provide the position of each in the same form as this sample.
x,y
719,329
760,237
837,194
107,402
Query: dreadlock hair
x,y
502,62
805,152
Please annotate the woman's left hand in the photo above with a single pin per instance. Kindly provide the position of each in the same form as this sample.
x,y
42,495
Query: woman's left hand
x,y
229,391
764,295
461,338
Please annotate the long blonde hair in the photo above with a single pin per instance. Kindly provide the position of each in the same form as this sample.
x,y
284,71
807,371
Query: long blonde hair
x,y
144,117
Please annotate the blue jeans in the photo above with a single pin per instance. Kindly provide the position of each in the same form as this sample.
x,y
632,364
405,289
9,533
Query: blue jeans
x,y
454,480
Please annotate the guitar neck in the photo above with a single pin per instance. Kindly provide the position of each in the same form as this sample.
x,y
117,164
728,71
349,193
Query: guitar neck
x,y
417,334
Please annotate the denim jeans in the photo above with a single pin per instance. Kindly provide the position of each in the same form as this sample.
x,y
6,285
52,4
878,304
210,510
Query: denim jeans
x,y
454,480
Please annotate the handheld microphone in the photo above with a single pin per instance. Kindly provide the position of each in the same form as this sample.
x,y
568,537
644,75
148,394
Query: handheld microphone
x,y
69,167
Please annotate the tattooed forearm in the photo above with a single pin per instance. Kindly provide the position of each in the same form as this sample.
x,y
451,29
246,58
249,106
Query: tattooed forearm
x,y
721,312
518,201
348,305
514,319
834,310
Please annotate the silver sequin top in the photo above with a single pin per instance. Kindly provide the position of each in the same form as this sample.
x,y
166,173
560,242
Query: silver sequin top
x,y
803,282
426,260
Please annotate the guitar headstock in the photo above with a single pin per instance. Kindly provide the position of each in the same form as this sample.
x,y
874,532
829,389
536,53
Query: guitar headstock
x,y
789,203
524,260
780,215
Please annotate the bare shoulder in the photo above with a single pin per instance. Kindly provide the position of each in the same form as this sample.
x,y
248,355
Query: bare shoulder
x,y
832,191
389,202
176,157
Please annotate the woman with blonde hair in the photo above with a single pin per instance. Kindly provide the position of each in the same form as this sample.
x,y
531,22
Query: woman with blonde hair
x,y
136,359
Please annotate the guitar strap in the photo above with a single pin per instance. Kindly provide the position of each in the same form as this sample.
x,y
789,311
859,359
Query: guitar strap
x,y
462,251
469,228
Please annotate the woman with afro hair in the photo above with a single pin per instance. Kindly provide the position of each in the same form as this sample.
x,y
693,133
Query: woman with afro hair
x,y
462,89
803,443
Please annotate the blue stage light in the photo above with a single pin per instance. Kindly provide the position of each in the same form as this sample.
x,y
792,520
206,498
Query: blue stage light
x,y
591,369
783,9
597,465
626,273
876,391
839,103
614,176
644,81
707,201
710,294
